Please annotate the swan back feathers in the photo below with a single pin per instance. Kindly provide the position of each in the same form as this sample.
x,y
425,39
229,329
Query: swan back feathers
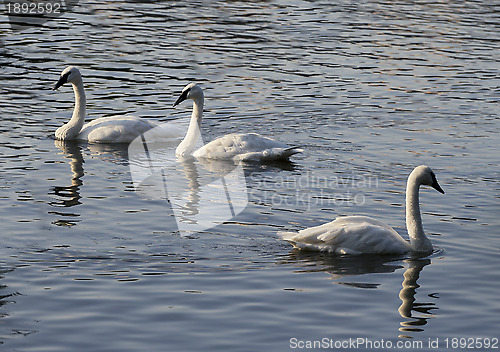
x,y
350,235
244,147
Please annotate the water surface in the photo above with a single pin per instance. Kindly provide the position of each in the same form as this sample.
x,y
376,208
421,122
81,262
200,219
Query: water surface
x,y
368,90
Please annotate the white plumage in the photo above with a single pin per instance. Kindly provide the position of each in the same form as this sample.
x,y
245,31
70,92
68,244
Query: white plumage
x,y
113,129
364,235
245,147
350,235
235,146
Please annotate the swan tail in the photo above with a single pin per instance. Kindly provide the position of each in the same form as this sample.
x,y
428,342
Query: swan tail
x,y
291,237
273,154
287,236
313,247
293,150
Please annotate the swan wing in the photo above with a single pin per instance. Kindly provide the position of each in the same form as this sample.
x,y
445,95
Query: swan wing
x,y
350,235
114,129
246,147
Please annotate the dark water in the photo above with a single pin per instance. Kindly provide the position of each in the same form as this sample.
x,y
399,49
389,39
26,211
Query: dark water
x,y
369,90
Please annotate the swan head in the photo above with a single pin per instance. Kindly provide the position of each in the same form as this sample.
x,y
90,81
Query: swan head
x,y
69,75
191,91
425,176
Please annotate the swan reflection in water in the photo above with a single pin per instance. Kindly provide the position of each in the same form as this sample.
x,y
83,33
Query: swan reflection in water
x,y
63,196
414,314
68,196
201,194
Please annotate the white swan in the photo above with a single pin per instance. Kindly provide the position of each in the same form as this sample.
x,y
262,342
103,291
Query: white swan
x,y
113,129
234,146
364,235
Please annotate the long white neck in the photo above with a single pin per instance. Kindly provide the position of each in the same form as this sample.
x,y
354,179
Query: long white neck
x,y
188,144
75,124
418,240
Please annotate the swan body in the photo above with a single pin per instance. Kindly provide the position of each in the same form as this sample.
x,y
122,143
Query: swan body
x,y
113,129
245,147
249,147
365,235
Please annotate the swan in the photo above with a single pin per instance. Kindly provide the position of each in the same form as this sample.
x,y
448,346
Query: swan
x,y
365,235
113,129
234,146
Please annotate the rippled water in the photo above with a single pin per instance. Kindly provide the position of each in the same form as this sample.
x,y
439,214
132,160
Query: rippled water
x,y
368,89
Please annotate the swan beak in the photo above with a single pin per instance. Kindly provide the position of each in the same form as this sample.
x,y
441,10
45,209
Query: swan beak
x,y
437,187
62,80
181,98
